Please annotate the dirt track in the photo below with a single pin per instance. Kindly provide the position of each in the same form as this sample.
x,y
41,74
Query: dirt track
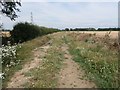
x,y
70,76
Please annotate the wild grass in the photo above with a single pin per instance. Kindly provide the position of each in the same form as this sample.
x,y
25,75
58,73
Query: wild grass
x,y
97,59
45,76
24,54
97,56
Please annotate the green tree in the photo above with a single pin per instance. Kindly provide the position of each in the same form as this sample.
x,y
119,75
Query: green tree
x,y
66,29
9,8
24,31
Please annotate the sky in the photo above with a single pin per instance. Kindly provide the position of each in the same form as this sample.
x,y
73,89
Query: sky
x,y
68,14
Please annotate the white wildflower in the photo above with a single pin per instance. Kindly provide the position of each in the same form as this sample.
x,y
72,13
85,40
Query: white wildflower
x,y
1,75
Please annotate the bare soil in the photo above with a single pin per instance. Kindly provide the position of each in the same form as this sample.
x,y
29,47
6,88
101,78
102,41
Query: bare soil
x,y
71,75
19,78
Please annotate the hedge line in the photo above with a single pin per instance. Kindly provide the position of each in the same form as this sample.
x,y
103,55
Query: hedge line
x,y
23,32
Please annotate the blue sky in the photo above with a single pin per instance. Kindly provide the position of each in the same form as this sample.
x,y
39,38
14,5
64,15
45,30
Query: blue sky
x,y
67,14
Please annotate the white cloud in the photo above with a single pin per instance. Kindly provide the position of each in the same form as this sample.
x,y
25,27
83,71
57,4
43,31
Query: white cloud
x,y
77,14
70,0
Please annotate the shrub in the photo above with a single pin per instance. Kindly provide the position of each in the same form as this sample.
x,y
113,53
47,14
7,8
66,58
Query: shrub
x,y
24,31
9,55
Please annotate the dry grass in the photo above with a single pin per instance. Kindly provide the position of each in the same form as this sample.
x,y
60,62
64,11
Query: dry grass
x,y
24,54
96,53
98,57
113,34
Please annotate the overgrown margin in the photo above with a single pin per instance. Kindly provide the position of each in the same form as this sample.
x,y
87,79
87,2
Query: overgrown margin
x,y
24,55
99,62
46,75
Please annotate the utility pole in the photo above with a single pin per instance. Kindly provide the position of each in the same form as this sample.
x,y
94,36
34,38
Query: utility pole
x,y
31,17
1,22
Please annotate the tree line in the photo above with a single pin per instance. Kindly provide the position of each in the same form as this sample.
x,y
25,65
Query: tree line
x,y
92,29
25,31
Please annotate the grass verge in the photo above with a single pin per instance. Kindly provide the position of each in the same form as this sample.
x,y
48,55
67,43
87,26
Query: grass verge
x,y
24,54
99,62
45,76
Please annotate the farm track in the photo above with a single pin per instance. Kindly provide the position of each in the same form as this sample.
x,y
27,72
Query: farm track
x,y
19,78
70,75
